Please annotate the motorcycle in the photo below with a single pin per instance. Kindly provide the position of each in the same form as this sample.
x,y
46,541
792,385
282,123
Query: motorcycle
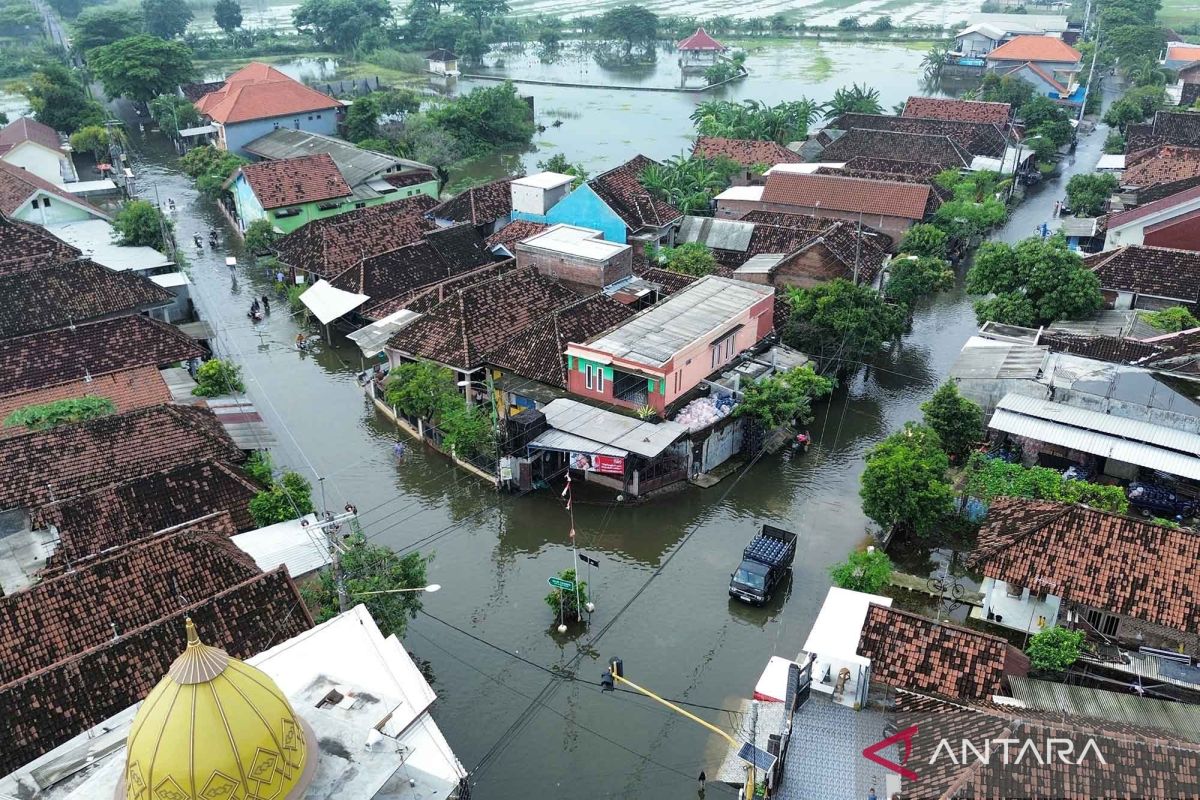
x,y
199,242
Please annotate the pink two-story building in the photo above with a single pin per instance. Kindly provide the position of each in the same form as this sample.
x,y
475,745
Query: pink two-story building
x,y
661,353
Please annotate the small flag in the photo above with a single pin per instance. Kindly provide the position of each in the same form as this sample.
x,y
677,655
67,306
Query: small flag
x,y
566,490
572,533
568,504
591,561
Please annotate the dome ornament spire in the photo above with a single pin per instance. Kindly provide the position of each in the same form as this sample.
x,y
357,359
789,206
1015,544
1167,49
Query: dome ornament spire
x,y
199,662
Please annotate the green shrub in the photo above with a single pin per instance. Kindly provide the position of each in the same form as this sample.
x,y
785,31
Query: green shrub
x,y
863,571
288,498
1172,320
216,377
1054,649
571,607
60,412
989,478
259,467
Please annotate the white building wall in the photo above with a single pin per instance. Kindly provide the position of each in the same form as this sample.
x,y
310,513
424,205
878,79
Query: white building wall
x,y
41,161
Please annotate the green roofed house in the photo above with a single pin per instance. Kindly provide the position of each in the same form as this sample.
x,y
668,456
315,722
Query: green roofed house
x,y
304,176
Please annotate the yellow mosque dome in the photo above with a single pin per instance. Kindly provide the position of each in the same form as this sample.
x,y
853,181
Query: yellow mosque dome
x,y
215,728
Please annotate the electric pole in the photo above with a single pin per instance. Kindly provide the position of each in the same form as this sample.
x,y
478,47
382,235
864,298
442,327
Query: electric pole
x,y
330,527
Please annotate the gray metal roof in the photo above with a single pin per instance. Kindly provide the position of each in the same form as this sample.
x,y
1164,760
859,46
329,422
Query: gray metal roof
x,y
372,339
1108,323
606,427
1085,419
355,163
561,440
1079,226
724,234
985,359
761,264
1181,719
655,335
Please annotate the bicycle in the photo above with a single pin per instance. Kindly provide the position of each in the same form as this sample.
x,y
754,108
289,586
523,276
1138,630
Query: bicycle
x,y
940,586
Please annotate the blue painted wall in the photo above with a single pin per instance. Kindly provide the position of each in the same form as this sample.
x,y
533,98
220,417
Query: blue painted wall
x,y
248,207
239,134
582,207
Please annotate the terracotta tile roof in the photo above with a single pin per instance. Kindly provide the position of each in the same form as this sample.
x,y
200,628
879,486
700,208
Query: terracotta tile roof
x,y
972,138
959,110
47,708
258,91
460,246
38,468
747,152
1162,204
1053,82
291,181
25,246
194,91
671,282
18,185
460,330
423,300
1035,48
1159,191
892,166
72,292
1168,127
479,205
1158,271
49,358
1105,561
327,247
888,198
937,195
27,129
514,232
1160,165
129,389
443,254
700,40
1183,52
621,189
1102,348
842,242
537,353
409,177
120,513
912,652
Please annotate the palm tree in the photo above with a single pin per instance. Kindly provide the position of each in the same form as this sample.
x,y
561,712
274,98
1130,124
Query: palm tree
x,y
935,61
1147,72
854,100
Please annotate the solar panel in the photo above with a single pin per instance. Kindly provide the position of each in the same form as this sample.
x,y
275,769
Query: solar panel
x,y
759,758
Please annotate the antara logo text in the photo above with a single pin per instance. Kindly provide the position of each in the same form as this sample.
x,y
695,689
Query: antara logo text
x,y
986,751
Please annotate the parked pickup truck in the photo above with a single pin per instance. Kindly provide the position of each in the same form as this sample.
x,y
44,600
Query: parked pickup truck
x,y
1159,501
765,563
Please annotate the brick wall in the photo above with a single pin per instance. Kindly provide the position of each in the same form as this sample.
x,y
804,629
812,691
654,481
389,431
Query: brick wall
x,y
1152,635
576,270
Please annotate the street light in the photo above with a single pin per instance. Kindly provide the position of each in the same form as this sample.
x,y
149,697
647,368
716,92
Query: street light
x,y
431,588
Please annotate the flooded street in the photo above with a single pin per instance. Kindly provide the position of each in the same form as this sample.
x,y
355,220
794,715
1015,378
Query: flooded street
x,y
661,587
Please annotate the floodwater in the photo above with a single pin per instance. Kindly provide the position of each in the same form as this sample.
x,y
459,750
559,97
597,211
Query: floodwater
x,y
660,590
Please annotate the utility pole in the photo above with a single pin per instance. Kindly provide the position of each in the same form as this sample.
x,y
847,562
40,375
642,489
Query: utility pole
x,y
329,527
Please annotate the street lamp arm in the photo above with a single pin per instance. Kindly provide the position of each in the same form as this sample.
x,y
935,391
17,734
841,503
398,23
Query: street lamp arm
x,y
626,682
433,587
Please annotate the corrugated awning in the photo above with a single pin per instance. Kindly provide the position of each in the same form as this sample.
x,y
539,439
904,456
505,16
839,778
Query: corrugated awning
x,y
616,430
569,442
301,549
328,303
201,130
371,339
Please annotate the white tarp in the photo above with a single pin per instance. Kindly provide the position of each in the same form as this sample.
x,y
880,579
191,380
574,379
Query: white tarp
x,y
327,303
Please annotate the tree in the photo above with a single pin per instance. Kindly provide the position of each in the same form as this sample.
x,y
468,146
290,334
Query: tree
x,y
173,113
784,398
259,236
429,143
631,24
1039,109
95,139
486,118
964,220
904,483
690,258
1054,649
101,25
1132,42
957,420
466,430
372,568
1035,283
924,239
471,46
853,100
165,18
60,412
750,119
988,478
216,377
841,322
481,10
849,24
1171,320
863,571
288,498
558,163
341,24
141,67
911,278
68,9
362,119
565,602
210,167
1114,143
140,223
1006,89
420,389
882,24
689,183
1088,193
260,468
228,15
59,99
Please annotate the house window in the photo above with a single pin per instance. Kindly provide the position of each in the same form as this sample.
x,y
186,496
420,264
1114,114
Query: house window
x,y
587,376
296,123
599,379
287,212
723,349
1104,624
310,117
678,380
329,205
45,202
276,125
318,116
360,205
34,204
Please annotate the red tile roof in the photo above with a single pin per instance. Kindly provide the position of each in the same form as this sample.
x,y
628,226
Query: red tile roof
x,y
259,91
514,232
621,189
1158,271
25,246
1163,204
18,185
47,708
27,129
912,652
940,151
117,514
960,110
1035,48
975,138
426,299
49,358
700,40
292,181
479,205
1057,85
1183,52
887,198
1105,561
130,389
39,468
747,152
69,292
1158,165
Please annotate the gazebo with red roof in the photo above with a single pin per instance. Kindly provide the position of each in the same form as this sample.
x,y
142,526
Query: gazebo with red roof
x,y
699,50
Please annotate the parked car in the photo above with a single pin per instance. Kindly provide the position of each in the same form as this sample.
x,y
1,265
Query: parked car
x,y
766,561
1159,501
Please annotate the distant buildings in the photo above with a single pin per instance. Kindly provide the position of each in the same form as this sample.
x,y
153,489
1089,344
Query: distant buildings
x,y
442,62
699,50
1051,65
32,146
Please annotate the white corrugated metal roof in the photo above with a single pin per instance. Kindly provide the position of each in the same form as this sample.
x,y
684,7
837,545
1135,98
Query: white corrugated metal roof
x,y
1133,429
654,336
287,543
1111,162
1182,719
371,339
723,234
1100,444
741,193
328,303
617,430
561,440
760,264
544,180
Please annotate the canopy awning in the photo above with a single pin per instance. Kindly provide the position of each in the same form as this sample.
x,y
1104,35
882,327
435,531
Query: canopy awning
x,y
202,130
328,303
646,439
570,443
371,339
